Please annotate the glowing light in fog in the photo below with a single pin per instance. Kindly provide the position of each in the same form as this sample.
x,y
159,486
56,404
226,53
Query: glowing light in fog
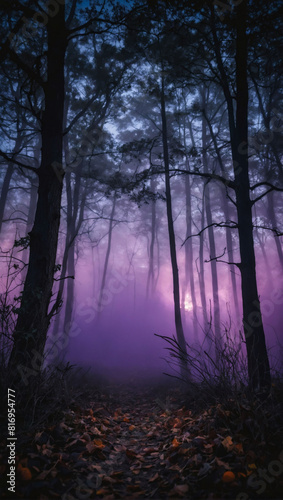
x,y
188,303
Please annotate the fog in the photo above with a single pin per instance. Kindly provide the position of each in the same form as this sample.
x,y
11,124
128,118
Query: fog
x,y
117,339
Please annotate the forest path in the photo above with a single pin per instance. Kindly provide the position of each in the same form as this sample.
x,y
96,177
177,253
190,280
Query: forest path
x,y
134,442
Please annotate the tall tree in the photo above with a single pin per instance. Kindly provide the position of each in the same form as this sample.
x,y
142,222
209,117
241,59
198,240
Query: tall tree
x,y
172,242
108,250
258,363
211,238
151,279
33,316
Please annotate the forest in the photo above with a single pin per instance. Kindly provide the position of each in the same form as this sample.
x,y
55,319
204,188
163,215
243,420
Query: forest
x,y
141,258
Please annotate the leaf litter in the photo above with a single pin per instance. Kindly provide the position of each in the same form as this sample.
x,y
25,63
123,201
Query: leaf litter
x,y
131,444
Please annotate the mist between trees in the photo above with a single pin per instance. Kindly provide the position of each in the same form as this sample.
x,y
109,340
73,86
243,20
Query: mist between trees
x,y
141,183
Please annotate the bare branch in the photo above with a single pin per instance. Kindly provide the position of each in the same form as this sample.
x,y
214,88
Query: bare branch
x,y
214,224
65,278
217,259
25,67
72,13
266,183
273,229
237,264
16,162
227,182
79,115
261,196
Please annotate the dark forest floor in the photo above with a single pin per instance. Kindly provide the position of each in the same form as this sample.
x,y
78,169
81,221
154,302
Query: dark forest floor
x,y
130,442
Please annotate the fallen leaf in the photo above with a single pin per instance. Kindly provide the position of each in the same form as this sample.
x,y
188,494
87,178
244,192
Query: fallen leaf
x,y
239,447
228,443
153,478
102,491
175,443
25,473
177,423
131,453
180,489
95,430
228,477
98,443
86,437
135,471
220,463
252,466
90,447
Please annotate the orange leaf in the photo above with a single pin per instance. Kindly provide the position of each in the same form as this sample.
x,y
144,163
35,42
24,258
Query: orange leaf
x,y
25,473
132,427
228,477
177,423
228,443
98,443
239,447
102,491
252,466
175,443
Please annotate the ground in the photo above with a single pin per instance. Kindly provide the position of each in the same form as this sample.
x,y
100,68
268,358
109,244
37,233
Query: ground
x,y
132,441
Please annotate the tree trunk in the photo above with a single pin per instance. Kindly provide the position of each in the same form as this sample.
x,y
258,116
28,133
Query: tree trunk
x,y
172,243
189,256
201,274
31,216
272,218
108,250
226,210
150,276
258,363
212,247
263,251
33,318
74,221
70,295
230,252
5,190
10,168
200,271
